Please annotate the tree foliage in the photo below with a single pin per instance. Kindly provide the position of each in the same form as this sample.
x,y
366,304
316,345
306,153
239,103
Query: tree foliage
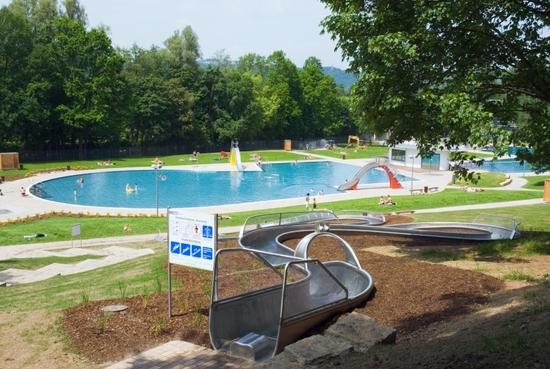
x,y
64,86
447,73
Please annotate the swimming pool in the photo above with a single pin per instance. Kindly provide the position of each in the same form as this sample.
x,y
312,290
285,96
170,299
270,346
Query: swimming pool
x,y
197,188
502,166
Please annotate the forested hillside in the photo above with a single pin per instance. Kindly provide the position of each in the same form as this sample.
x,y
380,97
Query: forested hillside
x,y
341,77
64,86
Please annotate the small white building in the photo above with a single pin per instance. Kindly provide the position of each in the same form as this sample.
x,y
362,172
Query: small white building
x,y
407,154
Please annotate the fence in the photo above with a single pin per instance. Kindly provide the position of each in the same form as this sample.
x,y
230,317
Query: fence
x,y
152,151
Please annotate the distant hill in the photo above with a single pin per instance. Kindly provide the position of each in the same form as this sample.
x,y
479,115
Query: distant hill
x,y
340,76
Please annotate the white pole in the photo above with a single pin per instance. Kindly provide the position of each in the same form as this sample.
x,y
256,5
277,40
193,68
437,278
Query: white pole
x,y
412,172
157,186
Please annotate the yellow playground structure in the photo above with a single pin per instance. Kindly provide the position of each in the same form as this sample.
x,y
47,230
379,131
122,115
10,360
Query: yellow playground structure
x,y
361,144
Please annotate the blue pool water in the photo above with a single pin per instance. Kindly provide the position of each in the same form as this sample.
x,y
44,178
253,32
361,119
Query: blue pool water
x,y
190,188
503,166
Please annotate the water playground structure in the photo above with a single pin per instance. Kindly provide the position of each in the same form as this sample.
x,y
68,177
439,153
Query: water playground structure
x,y
235,158
266,295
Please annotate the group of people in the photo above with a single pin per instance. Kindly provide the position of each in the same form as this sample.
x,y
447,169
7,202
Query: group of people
x,y
103,163
385,201
130,189
314,202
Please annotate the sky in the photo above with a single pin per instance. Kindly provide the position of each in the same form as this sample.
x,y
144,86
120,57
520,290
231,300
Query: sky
x,y
237,26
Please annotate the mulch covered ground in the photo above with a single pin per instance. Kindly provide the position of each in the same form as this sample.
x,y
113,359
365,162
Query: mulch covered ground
x,y
409,295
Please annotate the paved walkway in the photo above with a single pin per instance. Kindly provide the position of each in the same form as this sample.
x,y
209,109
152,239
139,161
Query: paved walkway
x,y
182,355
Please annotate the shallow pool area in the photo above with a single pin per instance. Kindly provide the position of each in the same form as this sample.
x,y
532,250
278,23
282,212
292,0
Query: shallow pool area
x,y
182,188
502,166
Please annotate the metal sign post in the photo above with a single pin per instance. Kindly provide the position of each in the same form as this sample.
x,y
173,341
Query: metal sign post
x,y
192,242
76,231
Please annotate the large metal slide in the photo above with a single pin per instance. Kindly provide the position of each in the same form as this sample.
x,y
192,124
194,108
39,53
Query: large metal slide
x,y
265,295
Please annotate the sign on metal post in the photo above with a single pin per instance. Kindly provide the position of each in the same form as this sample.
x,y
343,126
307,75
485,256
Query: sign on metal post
x,y
192,241
192,238
76,231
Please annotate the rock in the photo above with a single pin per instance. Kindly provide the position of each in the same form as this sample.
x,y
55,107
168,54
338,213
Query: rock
x,y
362,331
317,348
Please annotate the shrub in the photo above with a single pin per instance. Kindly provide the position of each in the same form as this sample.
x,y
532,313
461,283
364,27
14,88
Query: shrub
x,y
160,325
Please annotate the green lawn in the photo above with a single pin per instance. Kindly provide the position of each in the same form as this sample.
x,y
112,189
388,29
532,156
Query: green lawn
x,y
141,276
536,182
484,181
58,228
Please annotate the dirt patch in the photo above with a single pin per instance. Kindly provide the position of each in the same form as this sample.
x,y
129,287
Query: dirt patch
x,y
31,340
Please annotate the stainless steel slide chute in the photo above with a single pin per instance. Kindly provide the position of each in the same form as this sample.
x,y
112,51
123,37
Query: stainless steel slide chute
x,y
258,308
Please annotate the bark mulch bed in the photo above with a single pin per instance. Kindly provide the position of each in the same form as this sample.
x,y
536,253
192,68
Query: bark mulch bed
x,y
409,295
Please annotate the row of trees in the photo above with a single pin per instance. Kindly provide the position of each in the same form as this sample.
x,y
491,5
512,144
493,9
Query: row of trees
x,y
450,72
65,86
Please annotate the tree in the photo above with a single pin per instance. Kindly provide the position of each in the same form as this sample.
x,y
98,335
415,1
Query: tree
x,y
37,12
150,124
90,70
448,73
211,103
322,105
184,47
283,101
17,106
252,63
222,60
244,121
75,11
